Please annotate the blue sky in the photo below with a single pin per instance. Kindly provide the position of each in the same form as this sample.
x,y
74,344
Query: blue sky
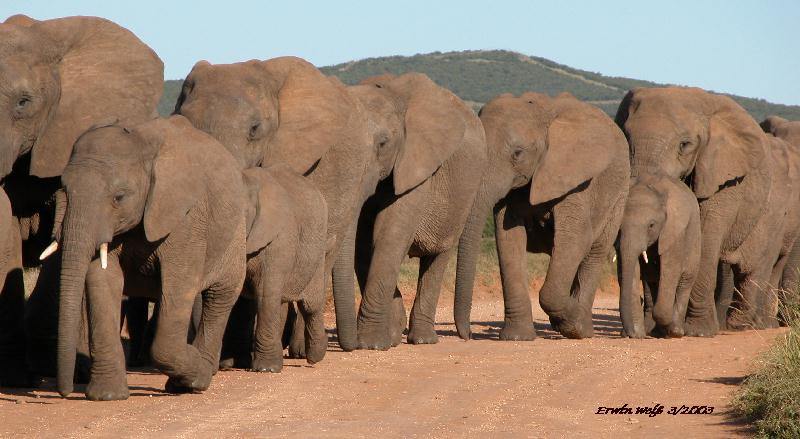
x,y
748,48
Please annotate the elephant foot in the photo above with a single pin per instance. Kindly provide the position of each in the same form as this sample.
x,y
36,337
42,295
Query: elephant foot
x,y
670,331
422,334
297,350
574,329
108,389
700,327
266,364
375,338
198,383
637,332
513,331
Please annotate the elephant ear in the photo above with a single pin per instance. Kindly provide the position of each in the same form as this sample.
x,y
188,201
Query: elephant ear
x,y
314,114
681,206
435,126
105,71
178,177
578,149
736,145
269,214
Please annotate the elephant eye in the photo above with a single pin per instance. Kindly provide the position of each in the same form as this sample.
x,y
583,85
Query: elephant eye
x,y
517,153
684,145
118,197
254,130
22,104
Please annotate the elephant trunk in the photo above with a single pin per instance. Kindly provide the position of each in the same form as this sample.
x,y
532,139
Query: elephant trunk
x,y
628,275
78,249
344,293
469,246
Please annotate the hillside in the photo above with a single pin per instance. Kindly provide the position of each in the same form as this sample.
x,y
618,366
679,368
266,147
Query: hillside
x,y
478,76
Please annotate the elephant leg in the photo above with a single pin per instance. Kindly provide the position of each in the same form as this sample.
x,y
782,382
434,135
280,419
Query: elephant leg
x,y
723,293
312,308
512,241
681,304
297,342
770,299
429,285
790,282
268,349
194,323
744,308
564,295
103,296
649,295
136,310
392,239
237,343
288,316
701,315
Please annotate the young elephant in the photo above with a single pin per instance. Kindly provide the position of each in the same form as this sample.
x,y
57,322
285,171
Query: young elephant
x,y
286,242
163,206
659,210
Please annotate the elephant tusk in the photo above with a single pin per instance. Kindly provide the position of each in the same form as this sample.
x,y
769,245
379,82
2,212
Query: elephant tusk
x,y
644,255
104,255
614,258
49,250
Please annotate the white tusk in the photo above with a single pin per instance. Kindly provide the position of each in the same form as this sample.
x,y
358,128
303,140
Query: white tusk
x,y
614,259
644,255
49,250
104,255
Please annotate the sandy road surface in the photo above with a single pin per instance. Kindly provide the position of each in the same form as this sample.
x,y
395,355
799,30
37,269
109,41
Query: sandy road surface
x,y
551,387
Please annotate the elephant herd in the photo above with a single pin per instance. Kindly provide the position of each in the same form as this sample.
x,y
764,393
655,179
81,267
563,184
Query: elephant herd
x,y
271,181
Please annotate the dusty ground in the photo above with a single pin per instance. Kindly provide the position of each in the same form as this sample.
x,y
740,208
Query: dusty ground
x,y
551,387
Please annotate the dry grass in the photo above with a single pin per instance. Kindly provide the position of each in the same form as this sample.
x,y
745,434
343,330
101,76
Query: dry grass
x,y
770,397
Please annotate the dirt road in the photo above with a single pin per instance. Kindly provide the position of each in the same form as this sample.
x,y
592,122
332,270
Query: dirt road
x,y
551,387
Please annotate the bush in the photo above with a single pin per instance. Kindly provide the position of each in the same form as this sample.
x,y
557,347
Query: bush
x,y
770,397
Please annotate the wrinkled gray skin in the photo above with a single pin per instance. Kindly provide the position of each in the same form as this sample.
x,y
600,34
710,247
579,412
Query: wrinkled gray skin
x,y
557,180
790,132
285,111
661,218
12,297
287,219
169,202
59,77
433,145
743,193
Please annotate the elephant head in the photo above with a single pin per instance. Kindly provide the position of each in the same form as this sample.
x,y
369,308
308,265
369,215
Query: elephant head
x,y
659,210
415,124
62,76
554,145
682,131
117,179
782,128
282,110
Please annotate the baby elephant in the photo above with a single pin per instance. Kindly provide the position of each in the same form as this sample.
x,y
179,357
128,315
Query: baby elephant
x,y
659,210
287,225
158,211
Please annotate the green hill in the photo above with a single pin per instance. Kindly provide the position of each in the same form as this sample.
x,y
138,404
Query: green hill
x,y
478,76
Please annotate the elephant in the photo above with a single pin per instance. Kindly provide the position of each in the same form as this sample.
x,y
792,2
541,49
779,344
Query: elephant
x,y
661,219
790,132
433,147
163,205
12,297
711,142
286,242
285,111
60,77
557,180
